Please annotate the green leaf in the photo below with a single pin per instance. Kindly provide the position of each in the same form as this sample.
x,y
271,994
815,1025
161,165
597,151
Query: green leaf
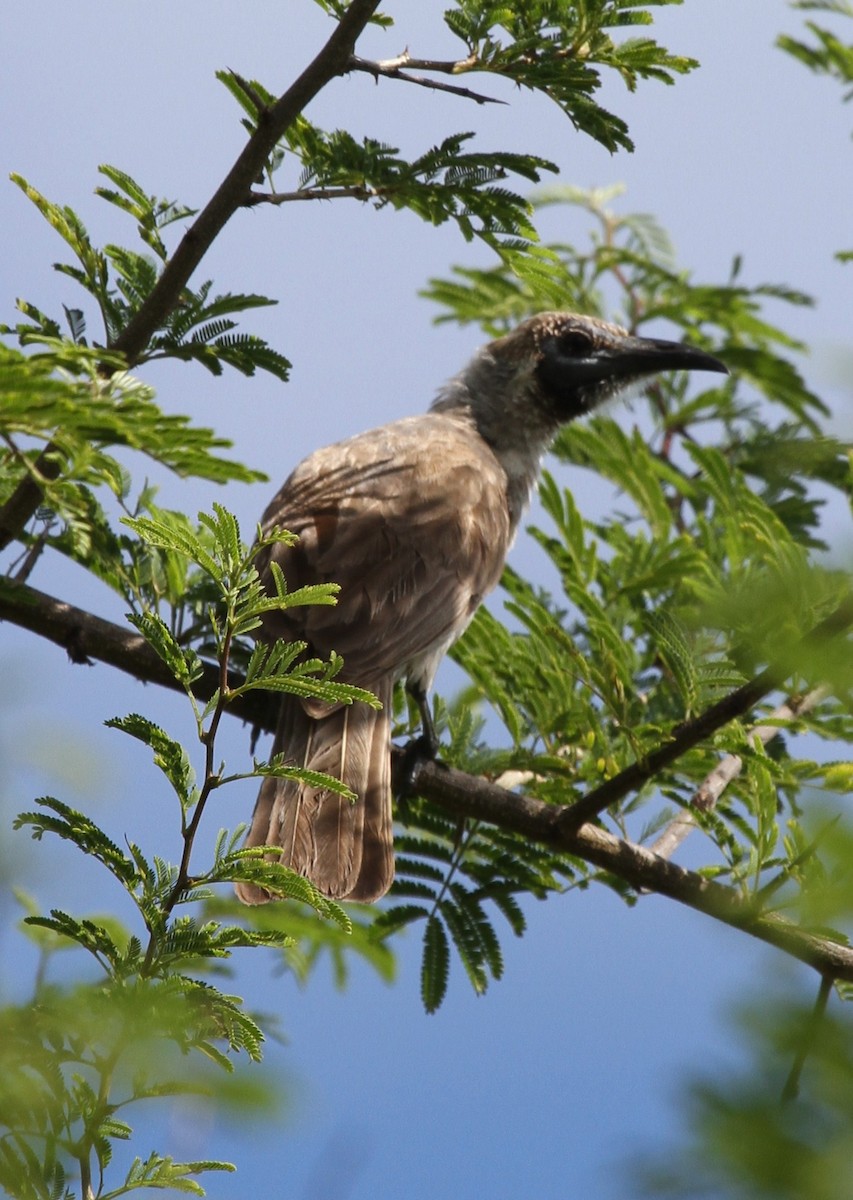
x,y
435,965
168,534
169,755
184,664
163,1172
151,214
76,827
559,50
77,415
89,934
671,640
120,280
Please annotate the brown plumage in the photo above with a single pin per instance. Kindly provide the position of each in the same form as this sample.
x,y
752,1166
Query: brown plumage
x,y
414,521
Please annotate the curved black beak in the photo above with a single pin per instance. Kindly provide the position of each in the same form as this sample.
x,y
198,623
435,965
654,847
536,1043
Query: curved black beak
x,y
635,357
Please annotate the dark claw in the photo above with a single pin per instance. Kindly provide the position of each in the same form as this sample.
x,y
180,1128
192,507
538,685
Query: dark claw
x,y
405,764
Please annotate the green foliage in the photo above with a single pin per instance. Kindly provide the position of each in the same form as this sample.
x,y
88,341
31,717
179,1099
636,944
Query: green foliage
x,y
74,1060
80,414
456,876
82,1055
745,1144
828,54
559,49
197,328
311,943
445,183
555,49
66,427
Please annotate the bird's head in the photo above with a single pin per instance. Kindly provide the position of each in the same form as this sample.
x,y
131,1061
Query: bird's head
x,y
552,368
569,364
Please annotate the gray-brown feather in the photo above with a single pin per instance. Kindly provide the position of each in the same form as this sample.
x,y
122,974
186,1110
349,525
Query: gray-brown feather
x,y
319,833
411,520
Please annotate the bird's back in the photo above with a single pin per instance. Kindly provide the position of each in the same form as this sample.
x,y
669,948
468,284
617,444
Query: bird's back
x,y
411,520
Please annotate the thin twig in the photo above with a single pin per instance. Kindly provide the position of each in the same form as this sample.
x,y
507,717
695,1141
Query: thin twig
x,y
707,795
441,66
353,192
183,879
392,68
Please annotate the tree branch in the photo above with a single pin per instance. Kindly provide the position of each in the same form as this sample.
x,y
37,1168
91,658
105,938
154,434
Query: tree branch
x,y
469,796
27,496
87,637
691,733
356,191
333,59
443,66
706,796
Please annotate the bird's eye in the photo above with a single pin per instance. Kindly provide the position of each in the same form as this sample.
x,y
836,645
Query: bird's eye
x,y
575,344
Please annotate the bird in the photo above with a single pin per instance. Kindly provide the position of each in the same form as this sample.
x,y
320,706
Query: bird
x,y
414,520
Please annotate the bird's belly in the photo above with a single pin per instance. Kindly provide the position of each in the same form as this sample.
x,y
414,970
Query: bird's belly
x,y
420,670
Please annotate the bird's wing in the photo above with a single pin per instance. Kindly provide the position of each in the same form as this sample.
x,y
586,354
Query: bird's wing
x,y
411,520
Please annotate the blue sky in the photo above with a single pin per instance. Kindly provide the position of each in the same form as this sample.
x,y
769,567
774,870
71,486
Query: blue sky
x,y
573,1063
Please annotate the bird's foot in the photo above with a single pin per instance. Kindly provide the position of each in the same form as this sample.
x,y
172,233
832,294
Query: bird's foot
x,y
418,750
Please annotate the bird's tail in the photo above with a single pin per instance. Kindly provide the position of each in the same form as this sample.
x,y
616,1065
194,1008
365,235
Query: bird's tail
x,y
344,847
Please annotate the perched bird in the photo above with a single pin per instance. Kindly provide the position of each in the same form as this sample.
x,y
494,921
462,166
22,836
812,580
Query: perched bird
x,y
414,521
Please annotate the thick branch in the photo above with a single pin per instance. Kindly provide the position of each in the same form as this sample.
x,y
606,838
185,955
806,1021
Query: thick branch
x,y
87,637
332,60
469,796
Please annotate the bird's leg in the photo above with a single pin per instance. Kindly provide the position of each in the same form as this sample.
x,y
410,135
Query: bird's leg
x,y
427,743
425,746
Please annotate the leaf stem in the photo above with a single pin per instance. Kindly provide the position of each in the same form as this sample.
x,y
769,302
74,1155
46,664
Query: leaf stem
x,y
791,1088
211,781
